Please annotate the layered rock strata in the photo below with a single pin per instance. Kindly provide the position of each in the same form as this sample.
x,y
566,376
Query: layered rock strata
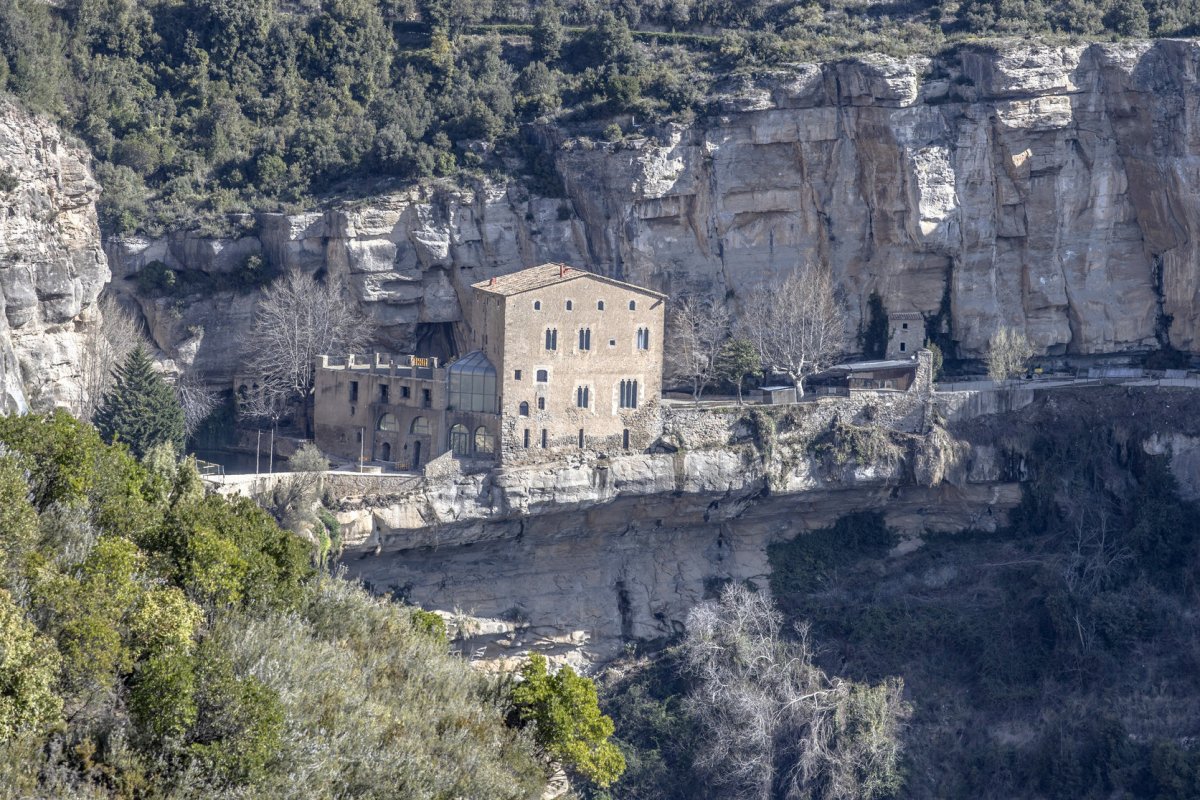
x,y
1050,189
579,559
52,264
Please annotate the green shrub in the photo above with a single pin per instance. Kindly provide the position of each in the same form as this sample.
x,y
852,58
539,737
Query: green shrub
x,y
565,713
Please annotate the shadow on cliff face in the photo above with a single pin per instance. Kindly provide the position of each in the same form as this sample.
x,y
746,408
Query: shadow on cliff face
x,y
1057,658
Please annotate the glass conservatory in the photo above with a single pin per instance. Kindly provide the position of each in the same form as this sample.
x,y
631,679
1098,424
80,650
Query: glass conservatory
x,y
472,384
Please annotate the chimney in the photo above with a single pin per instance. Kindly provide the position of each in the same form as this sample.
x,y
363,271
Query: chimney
x,y
492,281
562,270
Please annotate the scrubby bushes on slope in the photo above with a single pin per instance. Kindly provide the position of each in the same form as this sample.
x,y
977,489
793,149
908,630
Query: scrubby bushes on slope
x,y
158,643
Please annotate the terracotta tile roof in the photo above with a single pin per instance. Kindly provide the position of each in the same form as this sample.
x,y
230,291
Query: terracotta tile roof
x,y
547,275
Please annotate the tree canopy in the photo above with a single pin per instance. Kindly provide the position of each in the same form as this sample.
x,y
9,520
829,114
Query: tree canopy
x,y
565,712
140,409
196,110
155,642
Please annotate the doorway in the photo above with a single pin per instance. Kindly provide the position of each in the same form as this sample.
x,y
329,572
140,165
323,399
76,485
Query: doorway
x,y
416,459
387,451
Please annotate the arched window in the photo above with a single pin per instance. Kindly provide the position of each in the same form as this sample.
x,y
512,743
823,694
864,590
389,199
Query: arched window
x,y
585,338
484,443
537,305
460,440
599,305
633,305
419,427
543,376
582,396
388,423
643,339
523,409
570,305
551,338
541,404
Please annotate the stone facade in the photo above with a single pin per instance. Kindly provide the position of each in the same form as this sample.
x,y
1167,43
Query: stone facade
x,y
564,362
382,408
906,334
580,361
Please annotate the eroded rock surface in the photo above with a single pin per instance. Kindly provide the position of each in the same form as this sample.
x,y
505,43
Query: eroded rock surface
x,y
52,264
1052,189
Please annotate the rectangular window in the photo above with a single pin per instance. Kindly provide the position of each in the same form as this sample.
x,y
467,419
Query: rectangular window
x,y
643,339
383,392
581,437
551,338
628,394
405,391
625,439
581,396
425,397
544,438
585,338
516,374
526,438
541,404
353,391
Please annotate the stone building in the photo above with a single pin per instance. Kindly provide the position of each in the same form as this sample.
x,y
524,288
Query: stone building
x,y
563,361
896,374
906,334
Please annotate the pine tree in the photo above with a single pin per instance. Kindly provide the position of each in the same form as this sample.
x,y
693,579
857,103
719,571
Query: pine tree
x,y
140,409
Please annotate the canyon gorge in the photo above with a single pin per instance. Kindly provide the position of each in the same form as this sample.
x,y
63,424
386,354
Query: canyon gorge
x,y
1051,189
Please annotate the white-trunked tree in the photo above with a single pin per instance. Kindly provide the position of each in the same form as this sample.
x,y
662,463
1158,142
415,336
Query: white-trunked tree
x,y
697,330
298,319
798,326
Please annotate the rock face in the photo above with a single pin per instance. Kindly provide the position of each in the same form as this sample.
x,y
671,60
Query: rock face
x,y
579,559
1052,189
52,264
1048,189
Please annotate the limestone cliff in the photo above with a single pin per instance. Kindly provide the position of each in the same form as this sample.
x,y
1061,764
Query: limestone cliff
x,y
52,264
1048,188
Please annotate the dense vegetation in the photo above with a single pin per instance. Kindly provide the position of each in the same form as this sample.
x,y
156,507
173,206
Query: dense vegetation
x,y
1056,658
198,109
140,409
159,643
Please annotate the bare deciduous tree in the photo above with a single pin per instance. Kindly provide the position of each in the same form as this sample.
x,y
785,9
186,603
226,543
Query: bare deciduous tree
x,y
298,319
198,401
1008,354
105,346
797,326
697,328
774,725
